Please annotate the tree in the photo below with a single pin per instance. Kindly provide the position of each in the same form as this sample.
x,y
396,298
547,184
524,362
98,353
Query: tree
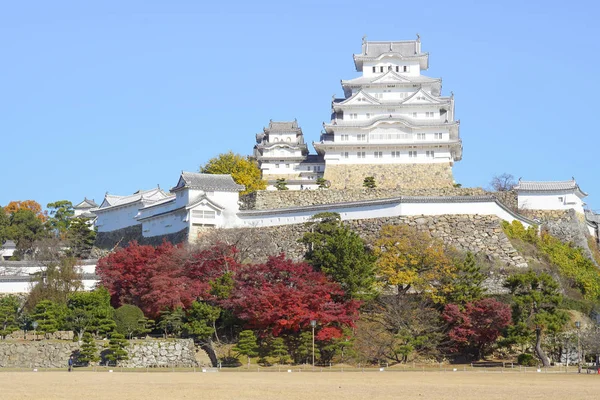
x,y
49,316
279,350
80,237
89,351
369,182
200,320
281,184
412,260
282,296
322,183
246,345
476,326
4,225
117,349
61,212
129,320
9,315
243,170
503,182
466,282
25,228
26,205
341,254
56,282
90,312
536,300
171,321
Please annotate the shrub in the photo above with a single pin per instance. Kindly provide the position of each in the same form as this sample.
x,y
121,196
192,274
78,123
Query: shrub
x,y
526,360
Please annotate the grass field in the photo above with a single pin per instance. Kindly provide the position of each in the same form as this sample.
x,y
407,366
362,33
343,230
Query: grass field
x,y
296,385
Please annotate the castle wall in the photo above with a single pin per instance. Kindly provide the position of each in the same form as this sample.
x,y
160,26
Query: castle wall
x,y
408,176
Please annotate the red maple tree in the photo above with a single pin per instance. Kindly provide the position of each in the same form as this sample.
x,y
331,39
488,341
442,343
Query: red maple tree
x,y
478,325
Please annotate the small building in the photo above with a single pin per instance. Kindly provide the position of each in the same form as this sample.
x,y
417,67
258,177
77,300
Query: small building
x,y
550,195
118,212
7,250
85,208
282,154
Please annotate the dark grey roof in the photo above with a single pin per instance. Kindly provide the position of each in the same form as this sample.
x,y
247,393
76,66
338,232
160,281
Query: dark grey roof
x,y
283,126
313,159
548,186
208,182
9,243
406,48
86,203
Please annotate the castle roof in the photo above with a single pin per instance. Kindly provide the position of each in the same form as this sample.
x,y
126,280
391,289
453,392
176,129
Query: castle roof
x,y
152,195
283,126
549,186
405,49
207,182
86,203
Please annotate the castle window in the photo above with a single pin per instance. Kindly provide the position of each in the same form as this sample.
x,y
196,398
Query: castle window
x,y
429,153
287,165
437,136
344,138
560,199
420,136
368,115
345,154
374,69
378,154
412,154
429,114
414,115
395,154
276,165
361,137
397,68
405,68
380,69
360,154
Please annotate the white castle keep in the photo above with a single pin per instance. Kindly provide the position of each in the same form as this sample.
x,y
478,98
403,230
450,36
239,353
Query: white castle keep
x,y
393,124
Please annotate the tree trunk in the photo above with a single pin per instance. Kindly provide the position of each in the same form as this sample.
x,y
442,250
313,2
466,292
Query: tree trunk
x,y
208,348
538,348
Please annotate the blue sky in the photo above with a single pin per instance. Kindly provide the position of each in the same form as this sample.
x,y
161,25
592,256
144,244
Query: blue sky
x,y
122,95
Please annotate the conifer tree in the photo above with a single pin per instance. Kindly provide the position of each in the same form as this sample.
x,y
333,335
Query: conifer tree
x,y
466,284
89,350
247,345
279,350
116,349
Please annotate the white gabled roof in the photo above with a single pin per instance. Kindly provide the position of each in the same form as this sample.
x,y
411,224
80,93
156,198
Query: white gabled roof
x,y
548,186
152,195
359,97
86,204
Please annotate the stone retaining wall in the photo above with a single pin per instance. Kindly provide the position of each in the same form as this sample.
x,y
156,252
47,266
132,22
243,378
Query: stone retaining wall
x,y
55,354
121,237
266,200
476,233
410,176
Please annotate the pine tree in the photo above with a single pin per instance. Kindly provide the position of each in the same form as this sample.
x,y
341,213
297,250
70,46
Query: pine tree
x,y
369,182
279,350
466,285
281,184
116,348
89,350
247,345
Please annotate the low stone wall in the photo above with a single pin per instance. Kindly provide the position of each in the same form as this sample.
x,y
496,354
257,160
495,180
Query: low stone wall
x,y
410,176
266,200
121,237
55,354
476,233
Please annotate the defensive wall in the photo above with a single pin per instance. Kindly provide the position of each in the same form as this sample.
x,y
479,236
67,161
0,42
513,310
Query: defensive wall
x,y
55,353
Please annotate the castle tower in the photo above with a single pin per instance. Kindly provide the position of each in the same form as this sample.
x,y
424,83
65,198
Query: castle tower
x,y
393,123
281,153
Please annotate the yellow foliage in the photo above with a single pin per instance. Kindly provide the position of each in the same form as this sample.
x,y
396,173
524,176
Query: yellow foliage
x,y
413,260
243,170
30,205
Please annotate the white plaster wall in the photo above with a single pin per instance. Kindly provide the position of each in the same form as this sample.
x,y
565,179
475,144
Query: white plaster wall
x,y
440,156
118,217
550,201
164,224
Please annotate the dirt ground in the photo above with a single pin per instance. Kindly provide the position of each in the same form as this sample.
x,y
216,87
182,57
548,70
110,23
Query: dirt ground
x,y
296,385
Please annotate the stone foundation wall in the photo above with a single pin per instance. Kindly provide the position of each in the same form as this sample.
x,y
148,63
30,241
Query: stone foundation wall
x,y
121,237
265,200
410,176
55,354
479,234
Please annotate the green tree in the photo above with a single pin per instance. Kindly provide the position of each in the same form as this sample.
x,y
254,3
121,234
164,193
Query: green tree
x,y
130,320
466,285
171,321
369,182
322,183
116,349
4,224
50,316
25,228
56,282
281,184
304,348
80,237
90,312
243,170
61,212
89,350
9,314
200,320
536,299
279,350
246,345
341,254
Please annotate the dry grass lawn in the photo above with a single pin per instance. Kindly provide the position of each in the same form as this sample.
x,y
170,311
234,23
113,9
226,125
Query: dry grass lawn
x,y
291,386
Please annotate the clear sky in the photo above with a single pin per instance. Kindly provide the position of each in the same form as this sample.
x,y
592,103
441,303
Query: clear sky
x,y
123,95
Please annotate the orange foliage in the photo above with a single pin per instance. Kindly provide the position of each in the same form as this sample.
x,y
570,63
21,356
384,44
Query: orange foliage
x,y
31,205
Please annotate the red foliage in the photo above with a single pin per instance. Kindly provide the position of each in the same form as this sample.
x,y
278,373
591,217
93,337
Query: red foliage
x,y
165,277
284,296
479,324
